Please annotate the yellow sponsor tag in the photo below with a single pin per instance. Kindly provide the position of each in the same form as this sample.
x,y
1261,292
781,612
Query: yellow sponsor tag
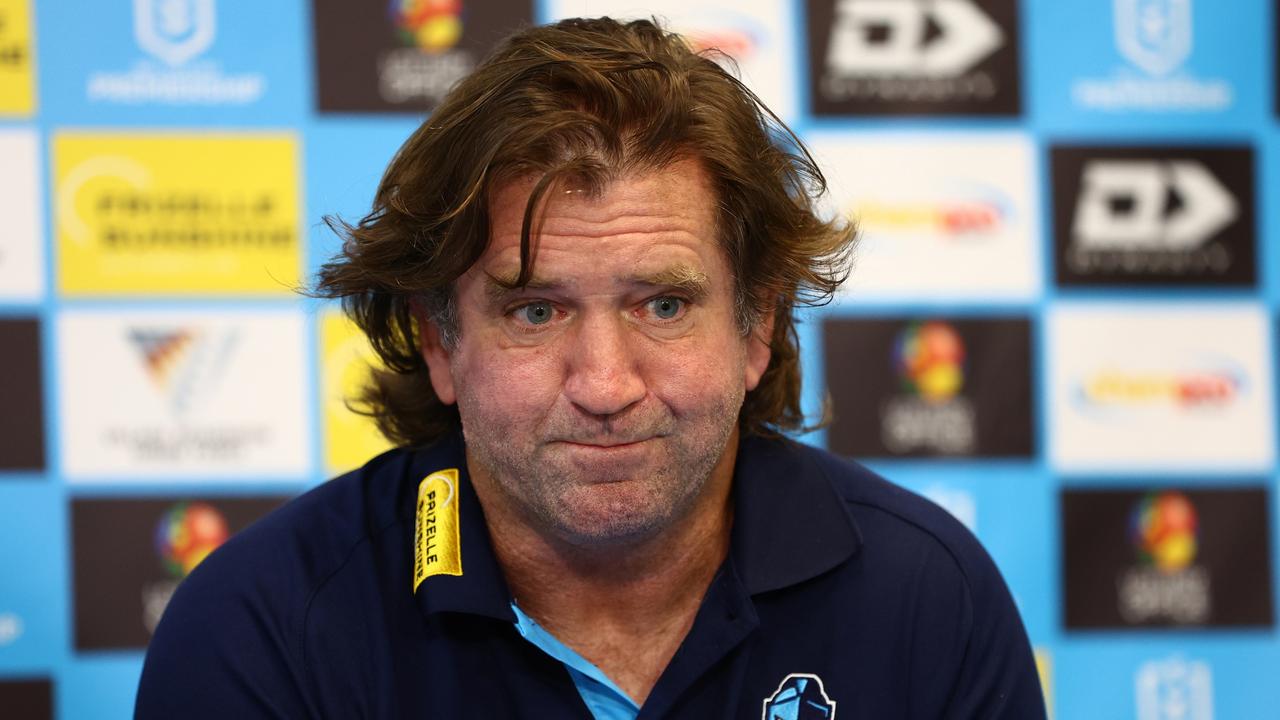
x,y
1045,668
346,357
436,548
177,213
17,59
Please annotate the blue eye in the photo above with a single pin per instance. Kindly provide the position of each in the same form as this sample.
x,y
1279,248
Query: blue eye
x,y
666,307
538,313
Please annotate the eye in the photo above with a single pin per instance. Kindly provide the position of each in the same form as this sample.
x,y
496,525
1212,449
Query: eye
x,y
537,313
666,307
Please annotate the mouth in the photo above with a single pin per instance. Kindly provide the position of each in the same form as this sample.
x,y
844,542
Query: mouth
x,y
605,445
599,462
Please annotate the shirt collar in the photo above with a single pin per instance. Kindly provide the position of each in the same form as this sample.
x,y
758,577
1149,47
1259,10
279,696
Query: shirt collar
x,y
481,588
789,525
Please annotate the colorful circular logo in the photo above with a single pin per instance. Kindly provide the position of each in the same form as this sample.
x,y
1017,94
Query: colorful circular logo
x,y
432,25
1163,530
930,360
186,534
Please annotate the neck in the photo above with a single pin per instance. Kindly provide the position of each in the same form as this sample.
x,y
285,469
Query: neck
x,y
566,584
607,601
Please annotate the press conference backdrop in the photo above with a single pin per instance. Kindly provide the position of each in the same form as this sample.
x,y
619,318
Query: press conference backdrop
x,y
1060,327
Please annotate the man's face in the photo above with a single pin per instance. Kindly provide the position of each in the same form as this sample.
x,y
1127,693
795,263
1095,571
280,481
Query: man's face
x,y
599,398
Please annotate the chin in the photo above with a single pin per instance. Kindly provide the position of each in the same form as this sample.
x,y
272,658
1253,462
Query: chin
x,y
600,516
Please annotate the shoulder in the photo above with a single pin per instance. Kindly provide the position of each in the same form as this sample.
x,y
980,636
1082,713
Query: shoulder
x,y
890,516
266,574
969,651
912,548
232,636
293,550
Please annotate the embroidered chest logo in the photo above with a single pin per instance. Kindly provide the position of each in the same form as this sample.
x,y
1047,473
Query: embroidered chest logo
x,y
436,548
800,696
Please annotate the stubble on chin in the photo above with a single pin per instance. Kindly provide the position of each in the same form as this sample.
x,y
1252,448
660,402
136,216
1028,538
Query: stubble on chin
x,y
563,496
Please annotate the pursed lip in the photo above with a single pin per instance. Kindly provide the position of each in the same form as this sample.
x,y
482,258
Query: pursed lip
x,y
606,461
615,443
604,444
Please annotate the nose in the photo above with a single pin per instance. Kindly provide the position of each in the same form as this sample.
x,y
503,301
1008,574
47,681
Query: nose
x,y
604,377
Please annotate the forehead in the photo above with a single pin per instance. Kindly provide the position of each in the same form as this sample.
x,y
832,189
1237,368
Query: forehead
x,y
646,215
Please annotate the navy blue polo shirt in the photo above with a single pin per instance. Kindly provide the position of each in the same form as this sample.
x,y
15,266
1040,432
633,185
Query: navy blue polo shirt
x,y
841,592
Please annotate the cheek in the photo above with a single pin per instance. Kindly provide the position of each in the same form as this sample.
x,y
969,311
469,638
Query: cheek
x,y
694,379
498,387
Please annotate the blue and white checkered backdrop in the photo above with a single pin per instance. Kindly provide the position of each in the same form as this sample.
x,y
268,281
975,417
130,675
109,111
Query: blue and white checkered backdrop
x,y
1060,325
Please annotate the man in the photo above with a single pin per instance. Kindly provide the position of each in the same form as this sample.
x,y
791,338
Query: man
x,y
581,274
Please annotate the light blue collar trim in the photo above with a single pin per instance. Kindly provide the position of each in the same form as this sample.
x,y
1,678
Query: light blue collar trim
x,y
603,697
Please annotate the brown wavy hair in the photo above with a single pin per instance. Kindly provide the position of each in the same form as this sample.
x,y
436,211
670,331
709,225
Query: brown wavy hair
x,y
582,101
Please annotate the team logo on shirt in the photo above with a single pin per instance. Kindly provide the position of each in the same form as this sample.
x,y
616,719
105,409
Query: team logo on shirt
x,y
800,696
436,548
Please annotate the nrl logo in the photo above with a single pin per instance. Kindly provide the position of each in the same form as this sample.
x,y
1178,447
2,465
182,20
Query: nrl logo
x,y
1154,35
800,696
174,30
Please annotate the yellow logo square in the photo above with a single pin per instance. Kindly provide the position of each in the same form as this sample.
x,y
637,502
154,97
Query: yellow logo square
x,y
177,214
345,359
17,59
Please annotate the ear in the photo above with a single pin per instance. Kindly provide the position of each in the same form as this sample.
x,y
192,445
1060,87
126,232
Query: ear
x,y
758,351
436,357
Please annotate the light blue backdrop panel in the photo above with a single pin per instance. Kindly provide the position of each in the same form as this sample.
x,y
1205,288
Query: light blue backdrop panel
x,y
34,584
1091,70
1269,216
1102,677
98,685
98,67
345,161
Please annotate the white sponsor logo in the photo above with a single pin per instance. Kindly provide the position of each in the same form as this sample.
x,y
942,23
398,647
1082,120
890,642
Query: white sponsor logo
x,y
910,423
1146,594
1160,388
941,216
10,628
155,598
21,260
1155,35
1174,689
197,394
756,34
1126,204
178,33
174,30
943,38
409,75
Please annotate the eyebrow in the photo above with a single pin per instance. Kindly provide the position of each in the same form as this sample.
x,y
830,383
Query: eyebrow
x,y
685,278
499,287
689,280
